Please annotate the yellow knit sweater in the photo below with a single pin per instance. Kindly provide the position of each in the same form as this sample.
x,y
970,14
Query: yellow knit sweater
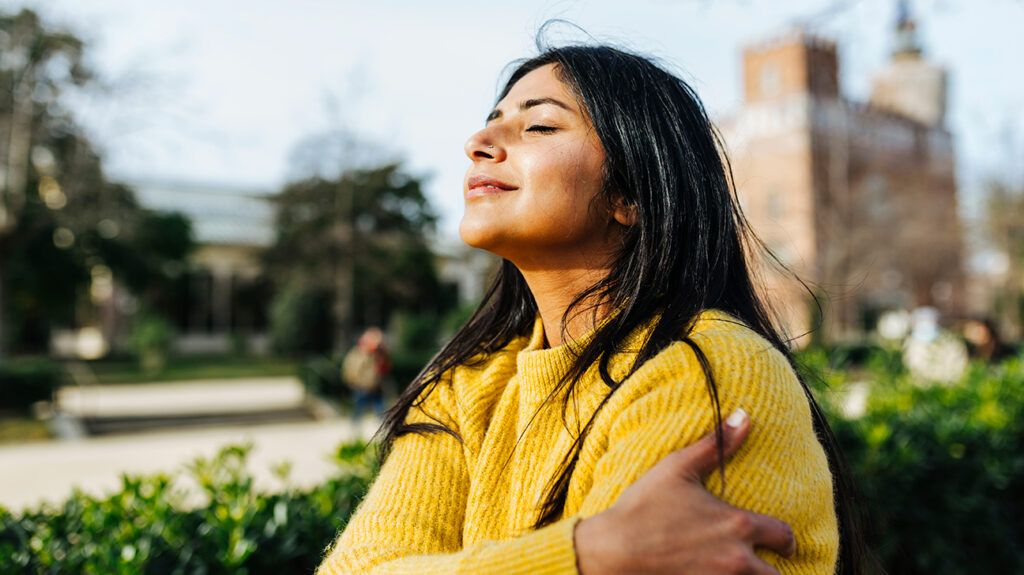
x,y
439,506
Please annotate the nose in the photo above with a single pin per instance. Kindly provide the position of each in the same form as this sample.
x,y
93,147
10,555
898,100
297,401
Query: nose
x,y
482,146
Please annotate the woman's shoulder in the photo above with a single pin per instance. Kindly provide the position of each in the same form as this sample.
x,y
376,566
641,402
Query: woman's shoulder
x,y
729,343
741,363
782,454
717,326
726,342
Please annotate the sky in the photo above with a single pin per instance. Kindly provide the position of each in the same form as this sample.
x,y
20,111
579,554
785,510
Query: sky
x,y
220,92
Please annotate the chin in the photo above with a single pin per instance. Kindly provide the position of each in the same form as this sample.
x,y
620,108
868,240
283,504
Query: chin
x,y
483,234
476,233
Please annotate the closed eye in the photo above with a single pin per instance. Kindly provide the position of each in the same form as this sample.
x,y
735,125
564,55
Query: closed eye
x,y
541,129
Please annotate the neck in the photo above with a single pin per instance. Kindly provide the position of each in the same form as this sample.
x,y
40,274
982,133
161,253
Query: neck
x,y
554,290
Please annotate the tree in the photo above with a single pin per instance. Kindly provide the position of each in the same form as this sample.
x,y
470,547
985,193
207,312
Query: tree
x,y
62,221
36,64
361,237
1003,229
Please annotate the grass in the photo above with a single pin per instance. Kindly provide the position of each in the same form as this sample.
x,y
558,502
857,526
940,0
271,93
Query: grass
x,y
21,428
194,367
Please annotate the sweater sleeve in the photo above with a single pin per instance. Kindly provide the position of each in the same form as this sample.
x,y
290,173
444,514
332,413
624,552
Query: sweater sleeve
x,y
781,469
411,518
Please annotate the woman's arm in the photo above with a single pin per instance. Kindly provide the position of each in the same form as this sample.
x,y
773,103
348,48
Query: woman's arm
x,y
415,504
703,536
411,520
781,470
411,529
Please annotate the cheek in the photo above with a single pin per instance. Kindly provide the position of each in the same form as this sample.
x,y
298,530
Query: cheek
x,y
553,207
573,166
563,184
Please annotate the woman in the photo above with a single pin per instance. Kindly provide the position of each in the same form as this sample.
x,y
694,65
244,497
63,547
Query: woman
x,y
570,424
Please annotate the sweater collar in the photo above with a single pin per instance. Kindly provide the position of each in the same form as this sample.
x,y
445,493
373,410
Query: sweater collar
x,y
540,368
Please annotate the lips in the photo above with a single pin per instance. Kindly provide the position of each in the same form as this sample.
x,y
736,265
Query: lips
x,y
480,185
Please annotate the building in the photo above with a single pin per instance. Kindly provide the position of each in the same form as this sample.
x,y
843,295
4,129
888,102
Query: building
x,y
858,200
225,293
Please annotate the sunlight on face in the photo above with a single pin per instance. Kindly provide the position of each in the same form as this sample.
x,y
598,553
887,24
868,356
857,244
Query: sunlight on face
x,y
536,169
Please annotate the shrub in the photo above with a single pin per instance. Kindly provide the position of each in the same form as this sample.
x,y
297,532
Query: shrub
x,y
149,528
26,381
940,468
405,366
301,320
152,339
321,376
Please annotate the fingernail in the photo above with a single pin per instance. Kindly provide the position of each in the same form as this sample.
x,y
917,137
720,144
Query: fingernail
x,y
737,418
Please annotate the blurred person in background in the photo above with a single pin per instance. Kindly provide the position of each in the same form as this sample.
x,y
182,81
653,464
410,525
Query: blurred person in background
x,y
984,342
621,401
364,370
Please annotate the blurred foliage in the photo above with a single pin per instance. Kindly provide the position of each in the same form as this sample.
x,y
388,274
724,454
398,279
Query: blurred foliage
x,y
456,318
1002,227
152,254
25,381
417,337
19,429
361,239
412,331
941,470
940,467
300,319
406,365
321,375
61,219
152,338
151,526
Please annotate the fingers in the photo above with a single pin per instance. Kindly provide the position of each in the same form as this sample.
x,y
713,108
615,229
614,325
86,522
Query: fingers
x,y
699,459
759,567
741,560
771,533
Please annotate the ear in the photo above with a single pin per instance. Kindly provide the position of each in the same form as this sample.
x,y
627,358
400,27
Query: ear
x,y
622,212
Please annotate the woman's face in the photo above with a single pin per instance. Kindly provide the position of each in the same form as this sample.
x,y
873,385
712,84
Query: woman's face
x,y
536,169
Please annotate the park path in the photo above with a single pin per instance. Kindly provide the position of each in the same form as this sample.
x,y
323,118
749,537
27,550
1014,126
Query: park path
x,y
34,472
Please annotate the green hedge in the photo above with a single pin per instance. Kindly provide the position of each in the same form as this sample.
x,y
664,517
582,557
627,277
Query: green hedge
x,y
147,528
941,470
321,376
26,381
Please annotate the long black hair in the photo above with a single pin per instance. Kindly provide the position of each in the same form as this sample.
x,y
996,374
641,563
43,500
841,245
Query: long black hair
x,y
687,252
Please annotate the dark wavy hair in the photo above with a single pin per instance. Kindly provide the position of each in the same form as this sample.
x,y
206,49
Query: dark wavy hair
x,y
687,252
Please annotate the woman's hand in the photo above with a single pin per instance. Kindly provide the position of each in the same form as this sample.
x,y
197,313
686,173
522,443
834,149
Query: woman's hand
x,y
667,522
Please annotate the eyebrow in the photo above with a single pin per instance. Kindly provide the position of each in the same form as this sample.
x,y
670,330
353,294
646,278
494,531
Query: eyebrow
x,y
531,103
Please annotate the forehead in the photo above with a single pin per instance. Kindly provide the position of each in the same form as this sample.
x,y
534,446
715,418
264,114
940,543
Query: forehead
x,y
540,83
